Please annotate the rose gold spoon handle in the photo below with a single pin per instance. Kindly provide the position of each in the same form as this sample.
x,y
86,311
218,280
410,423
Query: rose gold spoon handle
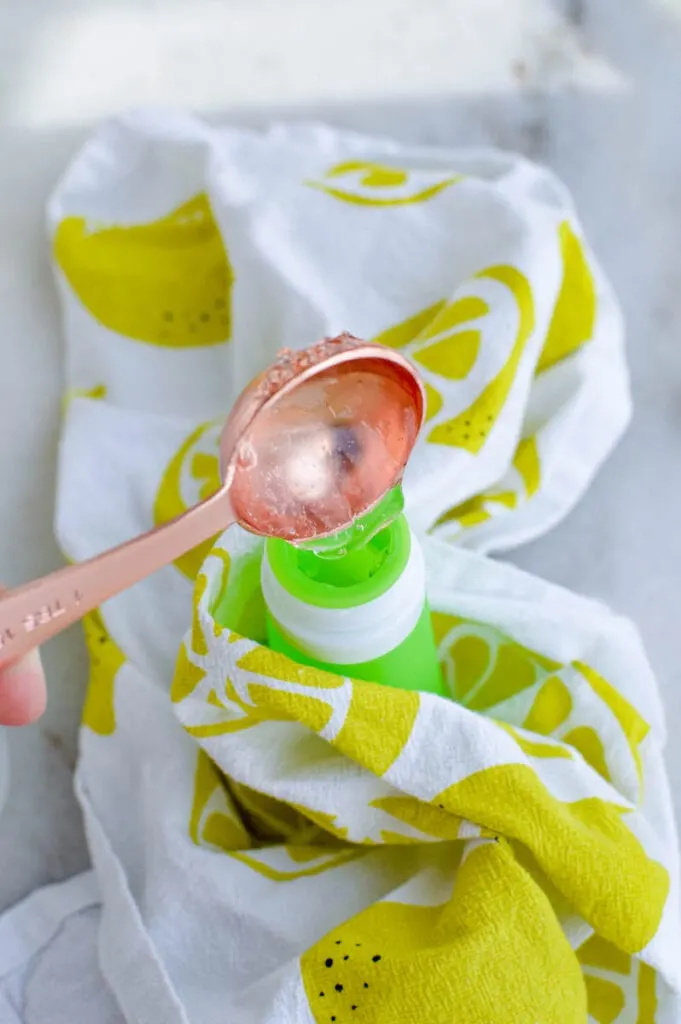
x,y
33,613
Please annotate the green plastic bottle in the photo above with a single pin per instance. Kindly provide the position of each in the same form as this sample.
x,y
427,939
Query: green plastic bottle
x,y
356,603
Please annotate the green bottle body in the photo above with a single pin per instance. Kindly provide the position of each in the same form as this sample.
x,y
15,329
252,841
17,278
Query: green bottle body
x,y
412,665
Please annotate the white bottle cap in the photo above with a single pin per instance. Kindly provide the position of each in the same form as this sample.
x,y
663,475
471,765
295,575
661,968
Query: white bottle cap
x,y
350,636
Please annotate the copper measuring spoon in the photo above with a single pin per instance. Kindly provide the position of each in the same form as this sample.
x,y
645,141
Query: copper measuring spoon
x,y
311,444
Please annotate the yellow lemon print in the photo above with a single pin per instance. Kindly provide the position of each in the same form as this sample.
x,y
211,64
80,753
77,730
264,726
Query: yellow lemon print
x,y
214,820
365,183
533,748
483,507
395,961
453,352
453,315
607,971
584,845
199,644
471,428
434,401
509,670
478,509
105,660
482,666
634,727
408,330
528,464
400,335
187,677
96,392
283,863
267,701
361,741
429,820
485,669
553,705
167,283
238,715
605,995
270,820
192,475
647,994
327,822
282,705
586,740
596,952
574,316
550,707
605,999
452,357
280,668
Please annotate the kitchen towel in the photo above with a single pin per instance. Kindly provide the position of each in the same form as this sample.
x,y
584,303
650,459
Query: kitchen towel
x,y
272,843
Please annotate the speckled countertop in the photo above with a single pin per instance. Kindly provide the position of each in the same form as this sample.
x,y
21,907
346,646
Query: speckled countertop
x,y
591,88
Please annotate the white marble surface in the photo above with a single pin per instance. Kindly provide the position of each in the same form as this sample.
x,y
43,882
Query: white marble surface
x,y
591,87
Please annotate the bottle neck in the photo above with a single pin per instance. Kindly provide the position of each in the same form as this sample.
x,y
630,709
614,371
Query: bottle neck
x,y
360,575
351,609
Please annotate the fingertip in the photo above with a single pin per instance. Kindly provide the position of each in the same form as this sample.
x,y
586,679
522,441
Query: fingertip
x,y
23,695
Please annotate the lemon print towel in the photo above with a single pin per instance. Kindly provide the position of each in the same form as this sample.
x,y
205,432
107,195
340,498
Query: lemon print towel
x,y
504,856
166,283
271,844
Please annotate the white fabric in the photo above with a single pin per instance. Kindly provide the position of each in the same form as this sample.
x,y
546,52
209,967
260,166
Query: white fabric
x,y
48,958
179,938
